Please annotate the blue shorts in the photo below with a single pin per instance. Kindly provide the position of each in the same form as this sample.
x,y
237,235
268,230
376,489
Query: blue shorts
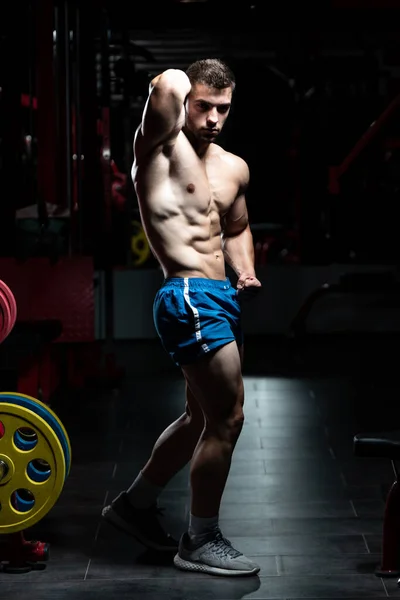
x,y
193,316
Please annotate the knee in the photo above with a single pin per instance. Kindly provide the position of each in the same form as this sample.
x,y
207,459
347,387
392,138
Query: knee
x,y
194,418
228,427
234,424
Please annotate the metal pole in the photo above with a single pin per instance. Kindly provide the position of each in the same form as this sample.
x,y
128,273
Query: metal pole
x,y
78,130
68,118
106,251
31,46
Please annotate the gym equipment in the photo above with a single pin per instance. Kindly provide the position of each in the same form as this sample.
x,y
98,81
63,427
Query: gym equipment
x,y
8,311
336,172
363,177
385,445
35,460
140,247
45,413
34,463
381,284
118,187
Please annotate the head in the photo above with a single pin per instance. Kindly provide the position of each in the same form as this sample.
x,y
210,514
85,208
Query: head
x,y
209,101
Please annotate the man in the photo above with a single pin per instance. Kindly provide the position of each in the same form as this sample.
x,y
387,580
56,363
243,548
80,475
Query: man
x,y
191,195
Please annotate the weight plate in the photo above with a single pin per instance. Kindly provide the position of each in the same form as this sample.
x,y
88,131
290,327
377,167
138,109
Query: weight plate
x,y
8,307
11,301
45,413
140,247
2,323
6,314
24,498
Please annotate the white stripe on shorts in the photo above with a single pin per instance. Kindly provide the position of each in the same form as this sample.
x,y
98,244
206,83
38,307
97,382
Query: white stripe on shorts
x,y
197,327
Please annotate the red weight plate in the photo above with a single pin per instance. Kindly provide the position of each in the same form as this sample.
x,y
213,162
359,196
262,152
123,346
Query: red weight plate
x,y
11,301
5,307
9,310
2,323
10,323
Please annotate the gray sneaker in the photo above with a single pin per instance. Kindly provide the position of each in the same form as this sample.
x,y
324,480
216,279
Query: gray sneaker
x,y
216,557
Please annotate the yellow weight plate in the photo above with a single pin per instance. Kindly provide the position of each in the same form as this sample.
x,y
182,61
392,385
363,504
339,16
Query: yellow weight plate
x,y
140,247
47,413
46,447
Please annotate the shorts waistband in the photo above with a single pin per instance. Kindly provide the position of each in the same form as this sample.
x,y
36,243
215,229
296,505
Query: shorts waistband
x,y
199,283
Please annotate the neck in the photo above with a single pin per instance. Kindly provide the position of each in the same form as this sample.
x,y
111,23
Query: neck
x,y
200,146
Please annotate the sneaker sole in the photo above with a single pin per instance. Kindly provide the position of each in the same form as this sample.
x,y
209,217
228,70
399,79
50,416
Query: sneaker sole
x,y
111,517
185,565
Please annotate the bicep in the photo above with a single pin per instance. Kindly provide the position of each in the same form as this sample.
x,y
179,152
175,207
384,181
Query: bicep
x,y
236,219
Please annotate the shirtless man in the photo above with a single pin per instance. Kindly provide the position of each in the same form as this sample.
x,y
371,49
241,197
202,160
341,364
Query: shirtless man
x,y
191,195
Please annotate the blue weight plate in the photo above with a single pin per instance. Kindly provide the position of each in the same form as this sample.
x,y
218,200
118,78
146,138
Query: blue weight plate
x,y
42,412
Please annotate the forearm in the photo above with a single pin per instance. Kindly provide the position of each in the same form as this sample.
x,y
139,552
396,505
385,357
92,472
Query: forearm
x,y
239,252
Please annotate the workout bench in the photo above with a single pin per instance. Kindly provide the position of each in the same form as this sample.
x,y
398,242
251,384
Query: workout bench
x,y
385,445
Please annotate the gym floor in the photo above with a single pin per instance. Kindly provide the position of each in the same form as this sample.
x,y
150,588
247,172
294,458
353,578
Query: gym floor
x,y
297,500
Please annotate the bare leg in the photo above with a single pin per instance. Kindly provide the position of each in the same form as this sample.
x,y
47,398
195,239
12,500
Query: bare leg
x,y
174,448
217,384
172,451
207,434
176,445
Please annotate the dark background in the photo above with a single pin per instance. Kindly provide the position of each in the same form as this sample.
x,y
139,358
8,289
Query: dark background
x,y
316,117
305,96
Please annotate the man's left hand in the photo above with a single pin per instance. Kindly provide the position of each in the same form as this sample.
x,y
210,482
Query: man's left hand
x,y
247,286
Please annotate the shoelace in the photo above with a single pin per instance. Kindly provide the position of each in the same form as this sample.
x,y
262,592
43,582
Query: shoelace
x,y
224,547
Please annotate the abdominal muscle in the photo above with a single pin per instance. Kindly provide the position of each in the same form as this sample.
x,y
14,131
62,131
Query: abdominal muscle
x,y
179,213
184,249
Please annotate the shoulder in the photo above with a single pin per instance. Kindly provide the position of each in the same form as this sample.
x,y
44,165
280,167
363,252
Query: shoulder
x,y
237,165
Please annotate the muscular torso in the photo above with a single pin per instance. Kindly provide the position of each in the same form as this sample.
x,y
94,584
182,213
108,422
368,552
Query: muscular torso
x,y
182,199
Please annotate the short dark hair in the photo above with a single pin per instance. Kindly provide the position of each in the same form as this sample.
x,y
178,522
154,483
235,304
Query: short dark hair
x,y
212,72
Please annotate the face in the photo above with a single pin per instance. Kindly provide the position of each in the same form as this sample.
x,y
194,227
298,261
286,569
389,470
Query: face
x,y
206,111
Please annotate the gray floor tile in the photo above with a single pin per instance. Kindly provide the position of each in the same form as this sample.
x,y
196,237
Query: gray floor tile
x,y
297,499
347,564
321,586
300,545
286,510
289,527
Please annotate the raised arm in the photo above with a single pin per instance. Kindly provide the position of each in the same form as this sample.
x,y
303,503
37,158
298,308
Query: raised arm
x,y
164,112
